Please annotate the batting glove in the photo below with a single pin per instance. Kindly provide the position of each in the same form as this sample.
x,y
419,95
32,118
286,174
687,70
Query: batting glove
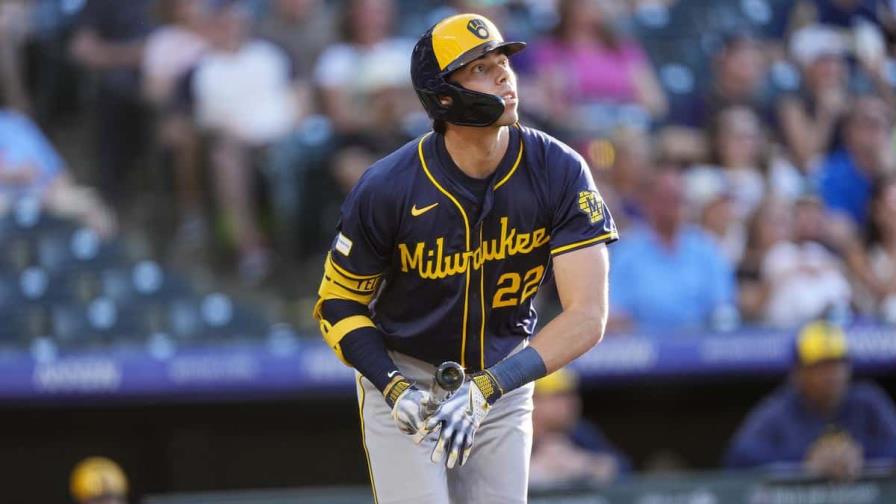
x,y
460,416
408,403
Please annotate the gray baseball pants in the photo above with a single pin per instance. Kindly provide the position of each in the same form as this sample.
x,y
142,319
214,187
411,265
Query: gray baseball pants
x,y
401,472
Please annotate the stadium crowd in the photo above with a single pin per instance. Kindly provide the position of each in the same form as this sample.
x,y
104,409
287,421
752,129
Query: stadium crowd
x,y
745,148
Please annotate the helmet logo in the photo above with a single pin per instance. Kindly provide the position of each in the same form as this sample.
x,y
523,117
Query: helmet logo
x,y
477,27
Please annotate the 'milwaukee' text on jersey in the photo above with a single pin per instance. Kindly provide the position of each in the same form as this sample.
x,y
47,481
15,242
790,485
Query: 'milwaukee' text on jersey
x,y
452,276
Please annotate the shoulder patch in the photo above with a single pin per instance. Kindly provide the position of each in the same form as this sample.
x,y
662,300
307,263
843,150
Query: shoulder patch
x,y
343,245
591,205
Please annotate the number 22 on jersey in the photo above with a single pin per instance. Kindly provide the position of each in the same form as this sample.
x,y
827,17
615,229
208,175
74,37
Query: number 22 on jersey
x,y
508,293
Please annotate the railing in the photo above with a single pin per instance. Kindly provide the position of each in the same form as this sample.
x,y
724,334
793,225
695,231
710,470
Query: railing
x,y
875,487
284,362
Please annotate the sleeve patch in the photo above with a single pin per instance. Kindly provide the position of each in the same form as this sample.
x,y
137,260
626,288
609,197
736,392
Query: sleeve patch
x,y
343,245
591,205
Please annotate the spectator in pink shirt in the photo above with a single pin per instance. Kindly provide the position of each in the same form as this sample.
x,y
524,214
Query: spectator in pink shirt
x,y
586,62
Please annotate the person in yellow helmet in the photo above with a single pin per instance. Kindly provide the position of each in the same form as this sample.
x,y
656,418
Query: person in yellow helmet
x,y
566,447
441,248
819,422
99,480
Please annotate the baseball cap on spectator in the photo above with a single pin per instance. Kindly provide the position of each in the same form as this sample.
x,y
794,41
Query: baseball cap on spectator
x,y
813,42
820,341
559,382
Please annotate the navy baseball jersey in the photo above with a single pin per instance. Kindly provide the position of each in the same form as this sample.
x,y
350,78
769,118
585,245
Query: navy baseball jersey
x,y
452,275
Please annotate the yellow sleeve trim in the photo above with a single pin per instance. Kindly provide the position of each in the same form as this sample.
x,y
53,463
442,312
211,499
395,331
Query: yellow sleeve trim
x,y
345,326
338,285
583,243
347,273
333,333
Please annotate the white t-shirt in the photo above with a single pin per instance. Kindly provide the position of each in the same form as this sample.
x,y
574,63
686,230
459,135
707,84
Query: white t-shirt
x,y
361,70
804,279
169,53
247,94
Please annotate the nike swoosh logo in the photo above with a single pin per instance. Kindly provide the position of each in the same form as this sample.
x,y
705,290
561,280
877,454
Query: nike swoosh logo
x,y
390,374
416,212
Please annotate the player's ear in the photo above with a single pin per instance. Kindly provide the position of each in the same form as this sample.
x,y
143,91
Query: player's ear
x,y
445,101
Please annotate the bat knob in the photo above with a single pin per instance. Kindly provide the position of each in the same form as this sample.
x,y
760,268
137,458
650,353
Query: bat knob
x,y
450,376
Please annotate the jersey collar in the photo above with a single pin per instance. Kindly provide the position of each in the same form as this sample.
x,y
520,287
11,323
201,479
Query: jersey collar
x,y
457,182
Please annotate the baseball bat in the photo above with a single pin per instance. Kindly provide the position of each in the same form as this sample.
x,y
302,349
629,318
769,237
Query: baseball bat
x,y
447,379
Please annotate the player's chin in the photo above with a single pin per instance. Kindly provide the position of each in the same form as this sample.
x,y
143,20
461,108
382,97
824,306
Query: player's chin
x,y
509,117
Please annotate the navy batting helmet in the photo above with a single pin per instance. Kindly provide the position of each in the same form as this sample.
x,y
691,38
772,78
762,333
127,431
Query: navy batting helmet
x,y
450,44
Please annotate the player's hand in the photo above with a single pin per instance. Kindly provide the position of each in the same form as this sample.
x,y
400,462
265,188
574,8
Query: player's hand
x,y
459,418
409,408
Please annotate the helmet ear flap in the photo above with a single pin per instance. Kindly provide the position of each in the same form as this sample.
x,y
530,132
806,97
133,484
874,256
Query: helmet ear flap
x,y
471,108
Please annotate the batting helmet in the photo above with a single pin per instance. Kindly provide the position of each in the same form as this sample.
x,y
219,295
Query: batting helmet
x,y
96,477
450,44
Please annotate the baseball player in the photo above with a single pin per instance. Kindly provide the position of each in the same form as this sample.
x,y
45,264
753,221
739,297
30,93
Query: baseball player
x,y
441,248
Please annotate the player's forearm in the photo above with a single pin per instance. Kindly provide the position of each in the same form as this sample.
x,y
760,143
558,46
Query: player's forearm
x,y
366,351
360,344
570,334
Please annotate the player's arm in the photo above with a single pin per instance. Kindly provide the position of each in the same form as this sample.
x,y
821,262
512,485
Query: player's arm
x,y
352,275
345,323
581,278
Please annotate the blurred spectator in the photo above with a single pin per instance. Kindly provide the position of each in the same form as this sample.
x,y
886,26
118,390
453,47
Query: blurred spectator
x,y
843,13
808,119
846,176
98,480
351,161
245,97
803,277
566,447
13,26
586,62
109,42
742,172
31,168
668,274
171,51
174,48
819,420
741,159
878,267
767,227
294,165
718,218
304,28
739,80
363,79
632,158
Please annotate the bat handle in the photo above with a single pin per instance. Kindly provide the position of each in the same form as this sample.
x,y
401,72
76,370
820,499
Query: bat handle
x,y
448,378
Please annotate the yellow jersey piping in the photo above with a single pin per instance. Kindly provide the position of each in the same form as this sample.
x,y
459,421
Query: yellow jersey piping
x,y
463,345
582,243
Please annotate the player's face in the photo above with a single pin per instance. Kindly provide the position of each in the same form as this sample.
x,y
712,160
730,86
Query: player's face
x,y
825,383
492,74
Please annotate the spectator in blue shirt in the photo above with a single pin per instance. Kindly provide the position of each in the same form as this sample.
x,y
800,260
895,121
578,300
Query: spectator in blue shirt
x,y
847,175
28,163
819,420
567,447
31,168
668,274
